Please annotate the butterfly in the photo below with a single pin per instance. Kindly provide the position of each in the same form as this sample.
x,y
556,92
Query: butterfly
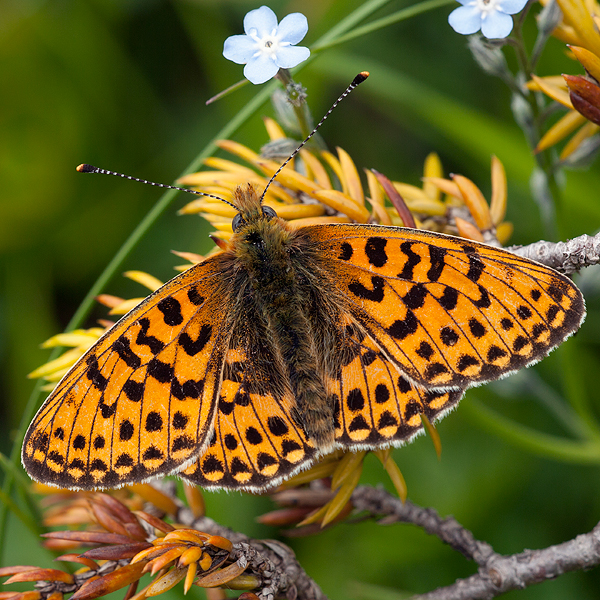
x,y
290,343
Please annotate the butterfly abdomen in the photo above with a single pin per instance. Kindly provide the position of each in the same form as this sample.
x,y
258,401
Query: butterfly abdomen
x,y
267,251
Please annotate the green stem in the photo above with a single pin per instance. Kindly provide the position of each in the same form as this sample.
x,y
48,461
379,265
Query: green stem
x,y
537,442
397,17
544,160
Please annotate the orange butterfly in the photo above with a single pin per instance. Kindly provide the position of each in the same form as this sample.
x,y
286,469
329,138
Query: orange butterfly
x,y
290,343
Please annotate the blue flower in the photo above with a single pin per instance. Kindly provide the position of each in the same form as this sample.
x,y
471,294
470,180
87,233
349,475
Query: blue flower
x,y
267,47
491,16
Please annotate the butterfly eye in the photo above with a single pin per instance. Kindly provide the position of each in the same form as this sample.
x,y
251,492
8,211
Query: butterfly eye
x,y
268,212
237,222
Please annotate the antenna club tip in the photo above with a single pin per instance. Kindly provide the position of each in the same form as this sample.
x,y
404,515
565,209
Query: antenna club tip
x,y
84,168
360,77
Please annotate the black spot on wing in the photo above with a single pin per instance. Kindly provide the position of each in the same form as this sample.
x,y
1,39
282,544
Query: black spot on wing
x,y
171,309
161,371
230,441
345,251
93,373
194,296
448,336
180,420
193,347
375,251
415,298
484,299
382,394
277,426
361,291
402,328
133,390
355,400
425,350
476,267
142,339
524,312
122,347
437,259
412,260
154,422
476,327
79,442
126,430
449,298
253,436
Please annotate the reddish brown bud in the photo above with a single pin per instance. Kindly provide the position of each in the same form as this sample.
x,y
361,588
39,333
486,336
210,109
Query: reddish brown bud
x,y
585,96
109,583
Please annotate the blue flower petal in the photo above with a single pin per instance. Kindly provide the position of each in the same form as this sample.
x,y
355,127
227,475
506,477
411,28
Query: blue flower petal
x,y
292,28
465,20
260,69
496,25
263,20
239,49
290,56
511,7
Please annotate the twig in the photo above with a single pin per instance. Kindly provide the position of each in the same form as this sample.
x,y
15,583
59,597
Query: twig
x,y
497,573
566,257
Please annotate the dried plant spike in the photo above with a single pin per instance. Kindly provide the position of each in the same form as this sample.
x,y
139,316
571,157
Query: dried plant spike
x,y
467,230
190,575
353,186
554,90
167,581
220,542
432,168
109,583
220,577
499,192
349,464
337,504
433,434
395,476
154,521
561,129
589,60
145,279
475,202
151,494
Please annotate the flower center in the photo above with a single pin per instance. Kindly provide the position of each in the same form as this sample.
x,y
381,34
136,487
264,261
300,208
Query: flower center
x,y
486,6
268,45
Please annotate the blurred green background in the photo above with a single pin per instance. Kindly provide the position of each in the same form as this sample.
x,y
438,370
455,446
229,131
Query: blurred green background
x,y
122,84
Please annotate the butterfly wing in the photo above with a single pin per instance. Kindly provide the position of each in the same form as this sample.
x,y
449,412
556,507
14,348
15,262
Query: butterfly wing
x,y
450,313
256,441
141,401
376,406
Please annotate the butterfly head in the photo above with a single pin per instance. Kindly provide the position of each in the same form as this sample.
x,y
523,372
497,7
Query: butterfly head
x,y
250,209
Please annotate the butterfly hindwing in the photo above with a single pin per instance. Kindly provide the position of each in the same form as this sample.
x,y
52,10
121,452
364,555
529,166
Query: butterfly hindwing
x,y
376,406
256,442
450,313
141,402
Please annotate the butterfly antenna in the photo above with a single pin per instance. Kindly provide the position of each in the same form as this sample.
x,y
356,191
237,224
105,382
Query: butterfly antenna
x,y
84,168
355,82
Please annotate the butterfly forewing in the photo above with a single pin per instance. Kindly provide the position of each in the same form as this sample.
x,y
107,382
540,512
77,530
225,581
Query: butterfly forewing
x,y
141,402
450,313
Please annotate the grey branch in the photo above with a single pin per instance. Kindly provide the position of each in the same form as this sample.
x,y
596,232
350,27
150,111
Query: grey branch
x,y
566,257
497,574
